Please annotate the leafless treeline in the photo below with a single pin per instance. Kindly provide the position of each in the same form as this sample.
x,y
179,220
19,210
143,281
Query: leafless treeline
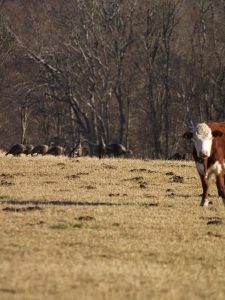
x,y
132,72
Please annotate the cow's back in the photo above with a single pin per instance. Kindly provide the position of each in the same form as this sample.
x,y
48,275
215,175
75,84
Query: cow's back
x,y
218,142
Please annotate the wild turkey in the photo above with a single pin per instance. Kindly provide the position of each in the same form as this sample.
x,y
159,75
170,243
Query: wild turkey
x,y
177,156
115,150
101,148
129,153
76,151
40,149
16,150
28,149
56,150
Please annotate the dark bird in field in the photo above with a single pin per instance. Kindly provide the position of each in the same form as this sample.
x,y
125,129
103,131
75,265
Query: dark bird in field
x,y
56,150
16,150
129,153
40,149
102,149
115,150
28,149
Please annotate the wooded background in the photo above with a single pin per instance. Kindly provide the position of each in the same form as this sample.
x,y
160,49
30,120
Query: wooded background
x,y
134,72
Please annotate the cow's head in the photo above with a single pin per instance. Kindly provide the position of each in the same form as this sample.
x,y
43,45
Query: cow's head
x,y
202,136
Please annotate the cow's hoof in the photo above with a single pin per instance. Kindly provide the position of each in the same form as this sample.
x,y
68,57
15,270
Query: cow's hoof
x,y
204,203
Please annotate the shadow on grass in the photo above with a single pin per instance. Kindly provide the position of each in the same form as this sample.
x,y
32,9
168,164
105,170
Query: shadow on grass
x,y
61,203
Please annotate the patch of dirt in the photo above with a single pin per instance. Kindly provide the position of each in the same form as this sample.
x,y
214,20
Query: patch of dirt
x,y
109,166
82,173
137,178
6,176
22,209
85,218
153,204
187,166
215,234
143,185
168,205
9,291
170,173
171,195
89,187
74,176
117,195
150,196
177,178
184,196
6,183
18,174
38,223
142,170
116,224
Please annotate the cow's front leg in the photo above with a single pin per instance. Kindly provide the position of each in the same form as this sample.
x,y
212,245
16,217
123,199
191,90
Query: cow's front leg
x,y
221,186
205,187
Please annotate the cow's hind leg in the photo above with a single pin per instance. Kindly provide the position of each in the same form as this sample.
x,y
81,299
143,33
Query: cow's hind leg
x,y
220,186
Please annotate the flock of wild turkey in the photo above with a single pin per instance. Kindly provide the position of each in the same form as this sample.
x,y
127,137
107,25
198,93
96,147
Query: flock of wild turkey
x,y
101,150
42,149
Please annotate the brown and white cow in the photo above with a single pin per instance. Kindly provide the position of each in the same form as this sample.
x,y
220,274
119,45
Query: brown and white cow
x,y
209,154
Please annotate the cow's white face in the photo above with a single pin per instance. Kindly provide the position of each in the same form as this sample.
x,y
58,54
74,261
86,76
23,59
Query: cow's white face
x,y
202,138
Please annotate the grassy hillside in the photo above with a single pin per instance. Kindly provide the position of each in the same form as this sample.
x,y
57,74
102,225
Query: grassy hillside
x,y
108,229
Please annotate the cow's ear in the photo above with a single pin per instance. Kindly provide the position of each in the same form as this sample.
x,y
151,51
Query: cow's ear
x,y
217,133
187,135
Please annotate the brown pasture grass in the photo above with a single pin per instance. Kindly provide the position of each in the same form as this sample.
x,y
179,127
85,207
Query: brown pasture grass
x,y
108,229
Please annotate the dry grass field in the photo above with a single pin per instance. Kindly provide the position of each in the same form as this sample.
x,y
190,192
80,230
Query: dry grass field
x,y
108,229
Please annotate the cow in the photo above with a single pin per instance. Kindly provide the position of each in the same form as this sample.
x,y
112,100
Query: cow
x,y
209,154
